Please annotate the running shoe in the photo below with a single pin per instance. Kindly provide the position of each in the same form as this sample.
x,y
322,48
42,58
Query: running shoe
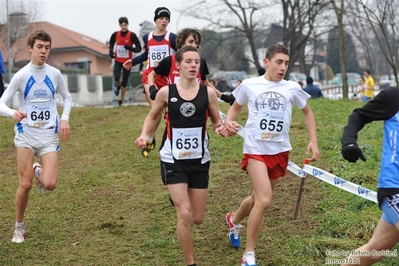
x,y
153,143
39,184
234,235
146,150
19,235
248,259
120,102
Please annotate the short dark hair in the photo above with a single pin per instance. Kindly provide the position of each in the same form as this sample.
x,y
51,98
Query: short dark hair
x,y
309,80
181,51
38,35
276,49
123,20
368,71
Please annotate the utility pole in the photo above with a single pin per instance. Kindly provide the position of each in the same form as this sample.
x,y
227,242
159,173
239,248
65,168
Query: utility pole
x,y
9,45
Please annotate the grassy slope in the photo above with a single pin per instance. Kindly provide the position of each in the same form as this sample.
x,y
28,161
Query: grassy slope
x,y
110,207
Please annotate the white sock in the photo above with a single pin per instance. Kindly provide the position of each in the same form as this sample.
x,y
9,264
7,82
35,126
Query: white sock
x,y
250,253
21,224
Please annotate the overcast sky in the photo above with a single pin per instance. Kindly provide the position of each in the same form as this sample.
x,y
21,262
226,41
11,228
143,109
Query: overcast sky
x,y
99,18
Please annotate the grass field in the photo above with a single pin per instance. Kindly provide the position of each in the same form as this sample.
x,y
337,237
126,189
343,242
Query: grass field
x,y
110,207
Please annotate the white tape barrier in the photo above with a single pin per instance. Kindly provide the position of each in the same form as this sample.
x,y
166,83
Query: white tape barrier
x,y
323,175
295,169
341,183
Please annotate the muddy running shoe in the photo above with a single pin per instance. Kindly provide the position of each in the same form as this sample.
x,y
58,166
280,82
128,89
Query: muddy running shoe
x,y
19,235
248,259
234,235
39,184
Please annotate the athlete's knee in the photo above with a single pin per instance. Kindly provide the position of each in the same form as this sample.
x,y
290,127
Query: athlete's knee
x,y
197,218
25,185
183,214
49,184
264,203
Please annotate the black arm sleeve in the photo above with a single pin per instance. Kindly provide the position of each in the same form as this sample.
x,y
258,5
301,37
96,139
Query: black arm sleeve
x,y
136,42
204,69
163,68
112,41
382,107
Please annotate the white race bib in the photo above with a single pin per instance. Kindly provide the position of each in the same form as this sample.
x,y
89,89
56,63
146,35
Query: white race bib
x,y
157,53
121,52
41,113
187,143
269,125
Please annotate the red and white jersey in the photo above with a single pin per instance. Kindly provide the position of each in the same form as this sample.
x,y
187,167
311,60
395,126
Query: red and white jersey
x,y
174,75
121,54
158,50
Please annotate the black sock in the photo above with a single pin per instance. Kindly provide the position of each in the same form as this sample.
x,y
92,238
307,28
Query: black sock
x,y
192,264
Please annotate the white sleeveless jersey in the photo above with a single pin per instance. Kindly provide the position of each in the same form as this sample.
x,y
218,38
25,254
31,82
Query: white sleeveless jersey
x,y
269,113
36,89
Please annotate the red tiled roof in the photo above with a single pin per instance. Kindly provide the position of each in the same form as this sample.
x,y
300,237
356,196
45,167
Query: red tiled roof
x,y
61,38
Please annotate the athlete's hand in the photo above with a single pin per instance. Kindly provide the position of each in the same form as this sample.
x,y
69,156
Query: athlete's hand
x,y
222,131
127,47
19,115
232,127
153,92
111,54
128,64
140,142
351,152
314,148
65,130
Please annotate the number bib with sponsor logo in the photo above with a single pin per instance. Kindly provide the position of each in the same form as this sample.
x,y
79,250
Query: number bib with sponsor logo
x,y
121,52
157,53
269,126
187,143
41,113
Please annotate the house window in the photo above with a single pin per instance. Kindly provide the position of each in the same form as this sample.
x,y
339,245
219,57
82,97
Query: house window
x,y
85,66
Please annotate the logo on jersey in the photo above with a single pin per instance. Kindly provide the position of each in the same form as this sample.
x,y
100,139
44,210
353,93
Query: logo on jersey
x,y
272,101
40,93
187,109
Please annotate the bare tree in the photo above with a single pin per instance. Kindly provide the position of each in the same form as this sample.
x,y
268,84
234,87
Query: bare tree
x,y
20,13
32,8
382,20
339,13
298,23
242,17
